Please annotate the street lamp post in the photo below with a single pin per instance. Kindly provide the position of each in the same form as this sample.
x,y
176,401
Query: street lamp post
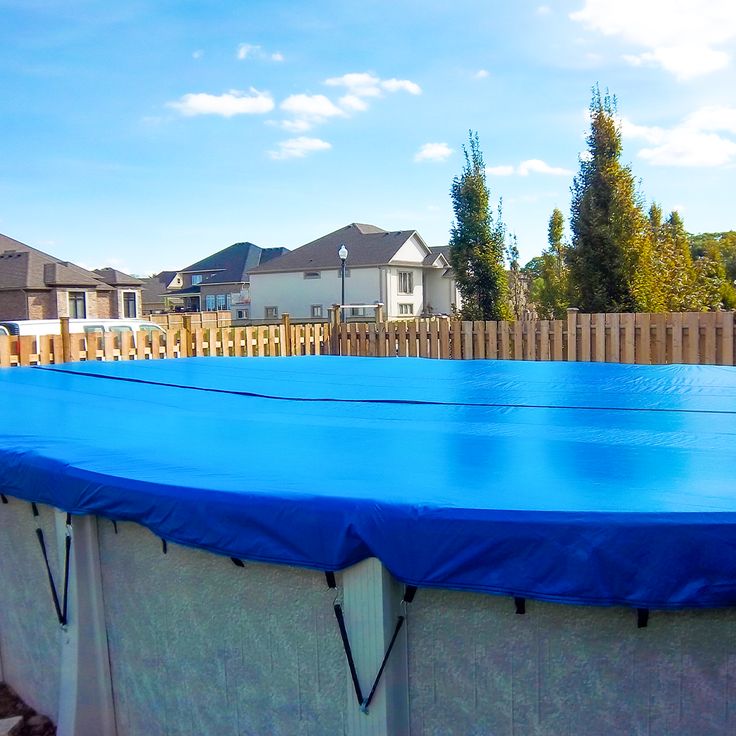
x,y
343,253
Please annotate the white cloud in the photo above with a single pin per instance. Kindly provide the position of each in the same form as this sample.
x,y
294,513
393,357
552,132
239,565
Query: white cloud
x,y
228,104
308,110
299,147
353,102
683,37
198,54
544,10
499,170
705,138
360,85
253,51
316,107
246,49
395,85
481,74
537,166
433,152
530,166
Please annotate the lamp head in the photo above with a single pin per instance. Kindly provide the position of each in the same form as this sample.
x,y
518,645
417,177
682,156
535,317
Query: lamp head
x,y
343,252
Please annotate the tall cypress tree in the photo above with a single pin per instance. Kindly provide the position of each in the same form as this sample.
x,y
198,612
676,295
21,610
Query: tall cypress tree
x,y
477,242
610,257
551,291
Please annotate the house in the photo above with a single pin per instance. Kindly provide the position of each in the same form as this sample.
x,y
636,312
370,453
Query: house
x,y
397,269
220,281
36,285
155,289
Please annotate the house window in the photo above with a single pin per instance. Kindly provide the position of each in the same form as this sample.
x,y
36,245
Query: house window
x,y
77,306
221,301
209,302
243,313
357,312
406,309
316,310
129,307
196,279
406,282
347,273
312,275
272,312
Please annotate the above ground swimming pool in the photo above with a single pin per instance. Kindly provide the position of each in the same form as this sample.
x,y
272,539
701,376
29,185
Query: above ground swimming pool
x,y
596,484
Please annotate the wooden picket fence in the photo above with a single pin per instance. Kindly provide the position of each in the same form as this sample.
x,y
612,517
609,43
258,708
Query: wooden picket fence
x,y
256,341
699,337
705,337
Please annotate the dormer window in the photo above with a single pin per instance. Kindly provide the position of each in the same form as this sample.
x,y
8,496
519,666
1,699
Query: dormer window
x,y
197,279
312,275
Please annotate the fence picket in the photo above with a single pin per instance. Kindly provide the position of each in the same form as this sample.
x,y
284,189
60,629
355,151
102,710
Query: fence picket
x,y
479,339
726,342
467,340
709,328
491,346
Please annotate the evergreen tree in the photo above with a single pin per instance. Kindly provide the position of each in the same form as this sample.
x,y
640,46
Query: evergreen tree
x,y
477,242
551,290
610,258
517,280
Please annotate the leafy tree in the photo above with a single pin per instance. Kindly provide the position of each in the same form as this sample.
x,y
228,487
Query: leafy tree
x,y
610,258
724,242
477,242
551,288
517,280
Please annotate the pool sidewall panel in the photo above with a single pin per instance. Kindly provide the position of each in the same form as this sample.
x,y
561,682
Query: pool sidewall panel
x,y
29,629
198,645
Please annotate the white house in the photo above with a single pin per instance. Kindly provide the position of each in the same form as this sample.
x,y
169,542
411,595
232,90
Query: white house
x,y
397,269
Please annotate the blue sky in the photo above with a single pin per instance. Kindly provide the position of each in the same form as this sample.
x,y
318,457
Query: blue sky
x,y
147,135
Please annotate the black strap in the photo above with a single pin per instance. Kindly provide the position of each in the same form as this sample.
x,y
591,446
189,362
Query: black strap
x,y
409,593
164,546
399,623
114,525
642,618
3,498
520,604
348,652
60,608
237,562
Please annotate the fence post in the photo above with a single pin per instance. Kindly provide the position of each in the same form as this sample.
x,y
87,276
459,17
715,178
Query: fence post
x,y
286,321
379,313
572,333
66,342
186,334
335,330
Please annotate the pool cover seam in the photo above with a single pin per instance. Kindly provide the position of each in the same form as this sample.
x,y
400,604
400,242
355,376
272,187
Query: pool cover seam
x,y
410,402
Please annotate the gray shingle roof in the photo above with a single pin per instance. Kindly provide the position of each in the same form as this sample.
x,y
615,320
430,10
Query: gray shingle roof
x,y
24,267
234,263
117,278
367,245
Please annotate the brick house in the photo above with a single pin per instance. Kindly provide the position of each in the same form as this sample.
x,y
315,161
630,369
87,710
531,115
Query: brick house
x,y
36,285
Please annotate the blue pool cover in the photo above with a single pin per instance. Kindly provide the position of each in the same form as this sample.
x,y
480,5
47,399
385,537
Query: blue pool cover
x,y
581,483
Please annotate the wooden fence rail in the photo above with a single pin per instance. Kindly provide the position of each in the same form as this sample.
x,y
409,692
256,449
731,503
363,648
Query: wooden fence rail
x,y
700,337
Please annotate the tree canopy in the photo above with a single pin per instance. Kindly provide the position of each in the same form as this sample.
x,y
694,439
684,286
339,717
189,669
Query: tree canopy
x,y
477,241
